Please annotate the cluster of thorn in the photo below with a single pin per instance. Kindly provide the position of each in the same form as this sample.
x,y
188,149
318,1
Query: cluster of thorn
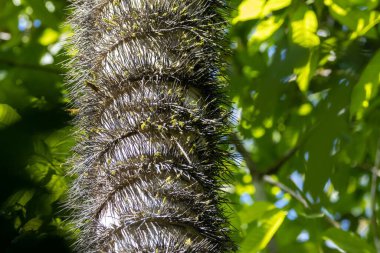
x,y
152,123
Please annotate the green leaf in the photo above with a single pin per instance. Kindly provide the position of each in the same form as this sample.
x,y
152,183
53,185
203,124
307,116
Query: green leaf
x,y
306,72
361,22
261,232
42,149
255,211
365,23
57,186
347,241
20,198
306,247
32,225
248,10
274,5
320,162
8,115
305,109
367,87
37,170
48,37
266,28
254,9
370,4
304,25
60,143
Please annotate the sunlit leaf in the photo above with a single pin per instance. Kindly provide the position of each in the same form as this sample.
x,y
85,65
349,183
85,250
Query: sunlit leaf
x,y
8,115
306,72
48,37
304,25
248,188
365,24
249,9
305,109
258,132
361,22
255,211
274,5
367,87
254,9
266,29
260,233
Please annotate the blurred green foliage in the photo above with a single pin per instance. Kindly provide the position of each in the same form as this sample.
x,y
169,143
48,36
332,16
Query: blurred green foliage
x,y
34,141
304,78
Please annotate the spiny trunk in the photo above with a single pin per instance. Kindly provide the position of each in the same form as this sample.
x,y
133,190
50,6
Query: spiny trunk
x,y
151,125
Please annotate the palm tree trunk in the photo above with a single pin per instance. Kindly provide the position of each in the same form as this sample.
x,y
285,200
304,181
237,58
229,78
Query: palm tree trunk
x,y
151,125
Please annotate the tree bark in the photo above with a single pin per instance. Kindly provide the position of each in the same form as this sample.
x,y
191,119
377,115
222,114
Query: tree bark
x,y
152,124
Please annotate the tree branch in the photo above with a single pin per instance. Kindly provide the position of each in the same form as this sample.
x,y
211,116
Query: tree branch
x,y
274,168
280,162
251,165
285,188
299,198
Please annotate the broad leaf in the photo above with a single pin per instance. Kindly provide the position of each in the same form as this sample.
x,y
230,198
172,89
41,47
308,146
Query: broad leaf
x,y
361,22
255,211
367,87
304,25
8,115
254,9
347,241
261,232
32,225
306,72
266,28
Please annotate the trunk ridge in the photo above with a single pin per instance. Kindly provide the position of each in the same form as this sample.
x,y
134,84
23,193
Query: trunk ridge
x,y
151,125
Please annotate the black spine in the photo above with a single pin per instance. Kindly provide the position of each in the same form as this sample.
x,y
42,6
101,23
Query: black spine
x,y
151,125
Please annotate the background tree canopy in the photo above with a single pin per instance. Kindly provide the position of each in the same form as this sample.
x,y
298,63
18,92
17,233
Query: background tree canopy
x,y
304,81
